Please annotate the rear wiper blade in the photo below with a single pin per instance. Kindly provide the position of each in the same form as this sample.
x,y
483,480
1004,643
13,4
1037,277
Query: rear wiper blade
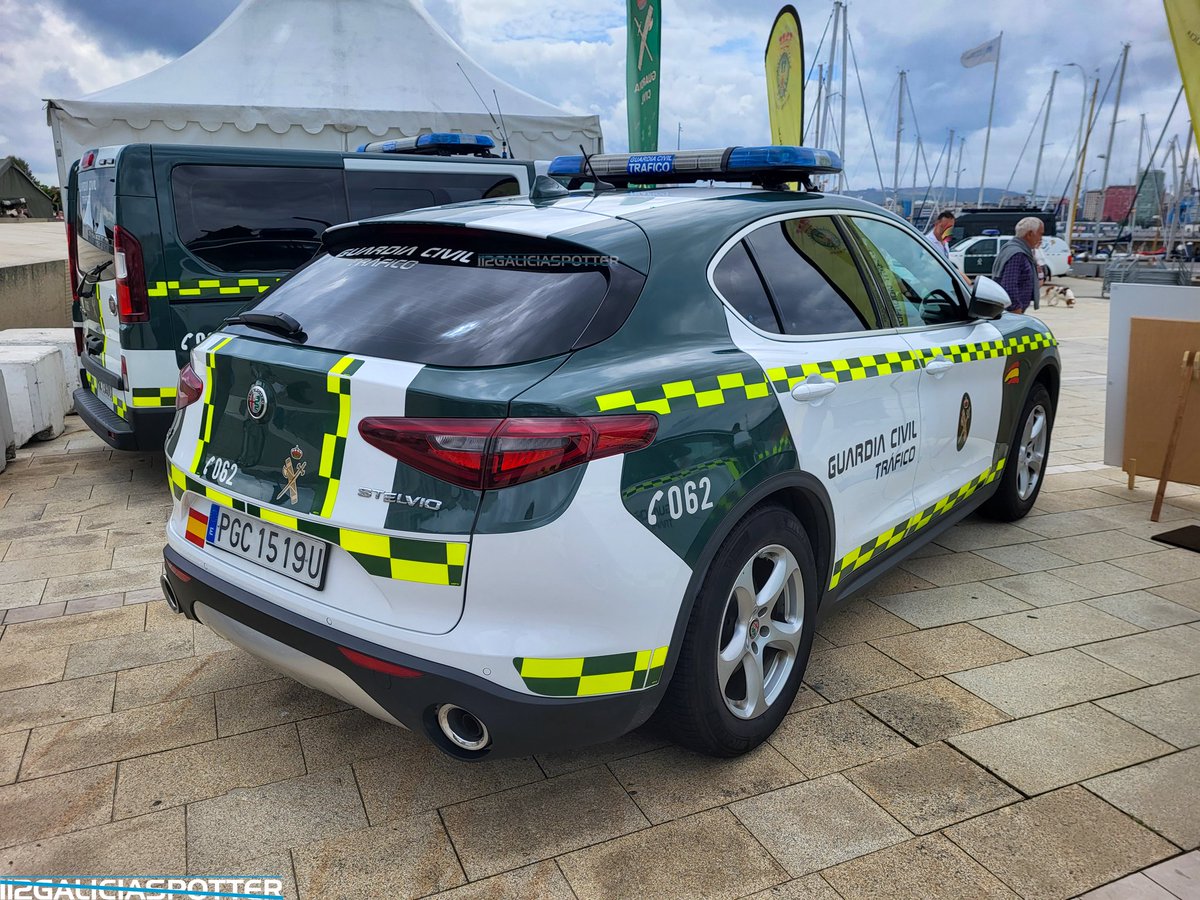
x,y
280,323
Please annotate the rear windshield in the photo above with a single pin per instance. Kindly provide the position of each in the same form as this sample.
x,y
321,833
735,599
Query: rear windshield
x,y
455,297
378,192
255,218
95,216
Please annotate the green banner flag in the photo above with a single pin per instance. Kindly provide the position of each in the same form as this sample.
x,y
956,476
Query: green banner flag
x,y
641,73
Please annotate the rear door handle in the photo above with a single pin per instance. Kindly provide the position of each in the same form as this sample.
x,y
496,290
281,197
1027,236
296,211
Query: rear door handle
x,y
938,366
814,388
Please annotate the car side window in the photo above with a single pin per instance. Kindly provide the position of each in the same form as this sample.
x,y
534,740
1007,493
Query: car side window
x,y
919,288
812,277
740,285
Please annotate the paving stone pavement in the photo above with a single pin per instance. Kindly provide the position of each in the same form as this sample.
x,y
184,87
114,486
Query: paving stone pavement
x,y
1015,712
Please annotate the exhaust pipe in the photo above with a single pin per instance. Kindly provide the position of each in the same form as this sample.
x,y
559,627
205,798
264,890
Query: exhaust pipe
x,y
463,729
168,593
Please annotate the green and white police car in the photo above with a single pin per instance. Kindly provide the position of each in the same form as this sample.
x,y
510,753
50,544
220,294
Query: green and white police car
x,y
518,474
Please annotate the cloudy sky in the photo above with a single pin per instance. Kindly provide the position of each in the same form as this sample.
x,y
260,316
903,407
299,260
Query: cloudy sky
x,y
571,53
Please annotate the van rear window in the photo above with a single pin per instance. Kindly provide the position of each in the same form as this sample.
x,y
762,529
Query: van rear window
x,y
255,218
95,216
455,297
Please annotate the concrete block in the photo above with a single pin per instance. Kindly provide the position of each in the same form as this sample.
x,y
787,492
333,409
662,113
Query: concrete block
x,y
63,339
8,444
33,382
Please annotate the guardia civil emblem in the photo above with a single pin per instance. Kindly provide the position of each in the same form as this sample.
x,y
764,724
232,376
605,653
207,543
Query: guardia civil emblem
x,y
293,470
964,420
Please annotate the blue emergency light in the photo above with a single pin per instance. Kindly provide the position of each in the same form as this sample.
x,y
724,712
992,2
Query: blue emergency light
x,y
438,144
759,165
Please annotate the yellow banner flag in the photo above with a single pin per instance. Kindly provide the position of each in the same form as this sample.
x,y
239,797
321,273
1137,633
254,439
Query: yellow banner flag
x,y
785,78
1183,17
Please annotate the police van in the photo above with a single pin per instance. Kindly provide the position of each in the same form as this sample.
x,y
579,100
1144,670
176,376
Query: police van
x,y
611,457
167,241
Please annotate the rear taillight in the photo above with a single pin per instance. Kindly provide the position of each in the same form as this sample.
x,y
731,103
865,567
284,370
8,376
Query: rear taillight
x,y
484,454
191,388
1070,260
133,304
73,277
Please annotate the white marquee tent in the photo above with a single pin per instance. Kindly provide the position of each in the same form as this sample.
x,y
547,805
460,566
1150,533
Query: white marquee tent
x,y
316,74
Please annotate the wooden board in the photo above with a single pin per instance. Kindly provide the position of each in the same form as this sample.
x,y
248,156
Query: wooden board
x,y
1156,348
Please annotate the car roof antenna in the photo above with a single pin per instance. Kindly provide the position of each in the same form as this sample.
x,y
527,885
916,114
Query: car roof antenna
x,y
598,186
487,109
503,128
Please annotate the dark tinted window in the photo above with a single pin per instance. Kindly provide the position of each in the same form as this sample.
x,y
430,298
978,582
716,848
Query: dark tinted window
x,y
377,193
255,218
739,283
813,277
918,286
94,217
454,297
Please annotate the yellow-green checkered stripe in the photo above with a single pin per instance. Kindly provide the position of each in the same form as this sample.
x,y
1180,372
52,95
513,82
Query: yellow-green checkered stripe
x,y
157,397
210,288
689,394
386,556
333,446
877,546
716,390
206,407
586,676
118,403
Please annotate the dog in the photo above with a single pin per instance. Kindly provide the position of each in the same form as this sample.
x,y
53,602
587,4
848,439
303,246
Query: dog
x,y
1052,293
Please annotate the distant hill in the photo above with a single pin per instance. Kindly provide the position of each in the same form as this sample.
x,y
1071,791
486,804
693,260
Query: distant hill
x,y
967,196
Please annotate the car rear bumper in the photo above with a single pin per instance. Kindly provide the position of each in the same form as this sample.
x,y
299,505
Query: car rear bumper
x,y
145,430
519,724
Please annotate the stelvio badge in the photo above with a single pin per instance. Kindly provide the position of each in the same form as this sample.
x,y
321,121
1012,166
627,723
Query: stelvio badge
x,y
292,473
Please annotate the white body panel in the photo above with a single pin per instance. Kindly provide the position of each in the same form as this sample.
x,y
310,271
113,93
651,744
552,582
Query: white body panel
x,y
865,500
943,467
590,583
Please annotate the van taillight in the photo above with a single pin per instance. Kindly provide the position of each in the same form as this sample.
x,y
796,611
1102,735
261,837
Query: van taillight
x,y
73,278
133,305
191,388
484,454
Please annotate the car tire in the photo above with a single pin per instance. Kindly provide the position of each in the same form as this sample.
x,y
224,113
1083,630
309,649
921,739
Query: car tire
x,y
1024,472
710,704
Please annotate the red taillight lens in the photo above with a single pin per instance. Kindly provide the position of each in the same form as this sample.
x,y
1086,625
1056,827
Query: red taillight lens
x,y
133,304
73,260
178,572
485,454
1070,260
191,388
379,665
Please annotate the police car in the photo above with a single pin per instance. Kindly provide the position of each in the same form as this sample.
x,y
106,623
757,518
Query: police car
x,y
518,474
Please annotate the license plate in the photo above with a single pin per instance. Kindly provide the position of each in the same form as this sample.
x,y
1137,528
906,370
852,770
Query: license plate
x,y
104,392
283,551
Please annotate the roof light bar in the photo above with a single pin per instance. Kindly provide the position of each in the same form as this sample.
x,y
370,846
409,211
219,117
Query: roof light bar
x,y
768,164
438,143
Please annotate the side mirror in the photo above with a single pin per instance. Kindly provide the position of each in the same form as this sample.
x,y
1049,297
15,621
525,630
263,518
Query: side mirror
x,y
988,299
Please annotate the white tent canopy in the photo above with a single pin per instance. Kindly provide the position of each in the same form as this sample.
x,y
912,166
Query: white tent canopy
x,y
316,74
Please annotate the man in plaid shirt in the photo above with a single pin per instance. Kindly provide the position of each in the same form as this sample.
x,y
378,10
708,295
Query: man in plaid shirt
x,y
1015,267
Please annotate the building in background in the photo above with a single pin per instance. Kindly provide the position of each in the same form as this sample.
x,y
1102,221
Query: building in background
x,y
1117,201
1150,197
22,193
1093,202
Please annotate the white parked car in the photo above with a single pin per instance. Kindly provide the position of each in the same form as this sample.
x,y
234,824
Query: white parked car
x,y
975,255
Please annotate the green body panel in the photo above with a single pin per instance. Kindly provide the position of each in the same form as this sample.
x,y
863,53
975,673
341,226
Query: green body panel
x,y
301,411
677,333
524,507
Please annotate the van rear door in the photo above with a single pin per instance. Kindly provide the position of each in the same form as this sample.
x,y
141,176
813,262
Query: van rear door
x,y
93,223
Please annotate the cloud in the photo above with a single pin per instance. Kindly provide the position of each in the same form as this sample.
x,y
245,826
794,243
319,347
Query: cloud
x,y
43,53
572,53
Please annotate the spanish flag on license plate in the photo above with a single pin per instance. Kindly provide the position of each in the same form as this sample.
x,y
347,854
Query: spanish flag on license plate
x,y
197,526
